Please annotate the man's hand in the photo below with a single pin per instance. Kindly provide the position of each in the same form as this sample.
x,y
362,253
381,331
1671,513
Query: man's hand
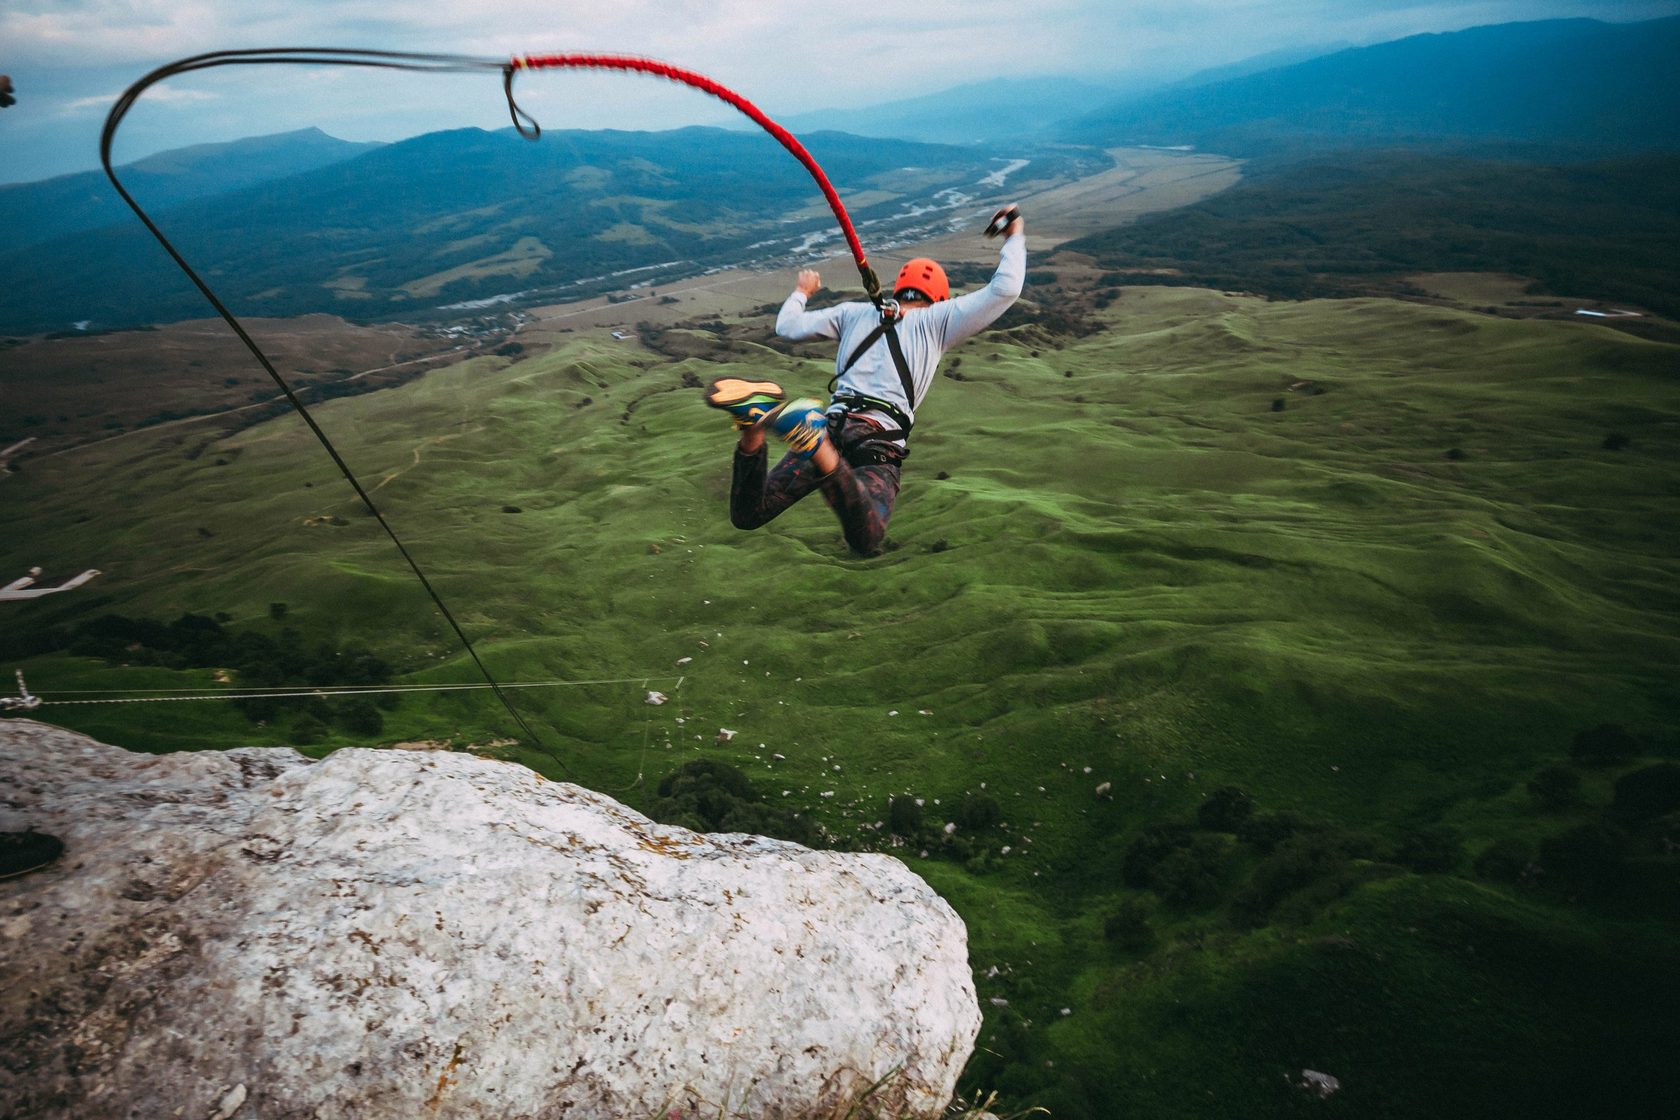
x,y
808,282
1006,222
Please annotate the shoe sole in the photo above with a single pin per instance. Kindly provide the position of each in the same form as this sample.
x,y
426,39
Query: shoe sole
x,y
727,392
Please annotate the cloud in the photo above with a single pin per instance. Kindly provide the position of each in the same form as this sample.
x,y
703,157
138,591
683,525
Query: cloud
x,y
787,58
161,95
806,54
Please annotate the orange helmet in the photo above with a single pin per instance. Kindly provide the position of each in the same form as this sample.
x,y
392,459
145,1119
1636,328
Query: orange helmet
x,y
923,277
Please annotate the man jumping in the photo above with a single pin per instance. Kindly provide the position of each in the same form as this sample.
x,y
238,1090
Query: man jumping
x,y
883,369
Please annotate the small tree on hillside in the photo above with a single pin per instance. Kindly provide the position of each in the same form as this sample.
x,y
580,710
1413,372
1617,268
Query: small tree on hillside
x,y
1432,849
360,716
1127,925
308,729
1604,745
979,812
1648,793
1225,809
1507,860
1584,857
1554,788
904,815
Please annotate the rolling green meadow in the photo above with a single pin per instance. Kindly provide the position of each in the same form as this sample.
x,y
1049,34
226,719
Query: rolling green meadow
x,y
1374,564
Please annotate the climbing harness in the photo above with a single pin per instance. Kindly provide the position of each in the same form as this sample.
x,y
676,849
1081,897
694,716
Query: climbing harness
x,y
852,400
528,128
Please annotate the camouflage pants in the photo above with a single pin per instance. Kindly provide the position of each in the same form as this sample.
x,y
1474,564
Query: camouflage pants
x,y
860,490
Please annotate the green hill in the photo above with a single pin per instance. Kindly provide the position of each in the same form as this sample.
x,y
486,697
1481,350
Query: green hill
x,y
1371,564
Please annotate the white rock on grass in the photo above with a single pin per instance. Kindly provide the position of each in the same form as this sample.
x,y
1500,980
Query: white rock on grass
x,y
384,935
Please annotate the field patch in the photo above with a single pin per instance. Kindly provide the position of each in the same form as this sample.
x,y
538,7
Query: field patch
x,y
521,259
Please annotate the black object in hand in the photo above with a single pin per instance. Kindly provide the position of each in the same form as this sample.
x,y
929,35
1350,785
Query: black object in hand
x,y
1001,220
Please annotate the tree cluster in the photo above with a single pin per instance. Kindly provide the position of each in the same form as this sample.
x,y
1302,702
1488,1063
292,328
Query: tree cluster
x,y
706,795
257,660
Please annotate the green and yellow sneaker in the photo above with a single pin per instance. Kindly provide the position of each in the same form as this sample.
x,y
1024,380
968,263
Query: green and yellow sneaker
x,y
799,424
747,401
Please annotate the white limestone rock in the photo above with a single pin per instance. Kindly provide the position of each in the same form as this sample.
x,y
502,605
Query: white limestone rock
x,y
389,934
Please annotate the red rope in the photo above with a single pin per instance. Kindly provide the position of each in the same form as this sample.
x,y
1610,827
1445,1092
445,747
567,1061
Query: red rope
x,y
729,96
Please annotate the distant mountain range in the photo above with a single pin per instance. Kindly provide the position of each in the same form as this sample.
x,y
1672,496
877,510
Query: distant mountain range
x,y
462,216
302,222
1564,87
1019,108
1558,88
32,213
1000,109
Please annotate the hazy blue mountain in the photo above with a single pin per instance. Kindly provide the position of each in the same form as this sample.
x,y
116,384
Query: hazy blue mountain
x,y
32,213
467,214
999,109
1271,60
1568,85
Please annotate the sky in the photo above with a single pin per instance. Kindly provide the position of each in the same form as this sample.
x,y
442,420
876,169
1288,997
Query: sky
x,y
70,59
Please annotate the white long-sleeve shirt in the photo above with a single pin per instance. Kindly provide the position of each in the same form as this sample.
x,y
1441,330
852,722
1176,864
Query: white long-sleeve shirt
x,y
925,333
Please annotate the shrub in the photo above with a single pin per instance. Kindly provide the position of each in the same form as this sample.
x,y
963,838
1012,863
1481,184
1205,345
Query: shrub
x,y
1189,876
308,729
1583,856
710,796
1508,860
1604,745
1297,862
1648,793
1127,925
1432,849
1265,831
904,815
1554,788
361,717
1152,845
979,812
1225,809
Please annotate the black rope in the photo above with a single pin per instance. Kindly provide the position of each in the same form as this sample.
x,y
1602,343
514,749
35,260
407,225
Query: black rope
x,y
325,57
520,117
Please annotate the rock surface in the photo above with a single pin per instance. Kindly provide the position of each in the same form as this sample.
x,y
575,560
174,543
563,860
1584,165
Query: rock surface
x,y
388,934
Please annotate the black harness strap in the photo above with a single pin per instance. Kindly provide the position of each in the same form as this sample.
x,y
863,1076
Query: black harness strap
x,y
868,341
903,365
890,329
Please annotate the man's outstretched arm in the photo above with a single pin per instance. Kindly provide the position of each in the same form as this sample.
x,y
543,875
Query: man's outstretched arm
x,y
968,315
795,323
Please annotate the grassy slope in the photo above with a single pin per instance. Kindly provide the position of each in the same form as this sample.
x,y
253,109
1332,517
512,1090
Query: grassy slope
x,y
1145,570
